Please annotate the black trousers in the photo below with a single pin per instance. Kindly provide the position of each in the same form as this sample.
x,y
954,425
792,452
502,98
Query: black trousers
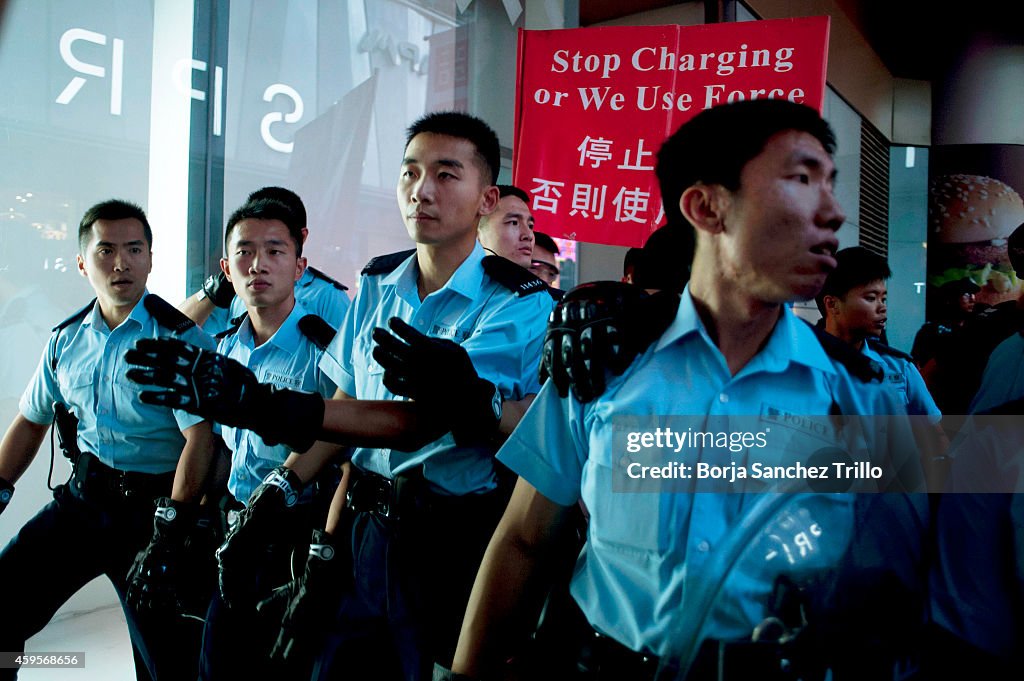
x,y
67,544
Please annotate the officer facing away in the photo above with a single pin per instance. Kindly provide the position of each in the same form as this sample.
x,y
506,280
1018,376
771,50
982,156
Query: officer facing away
x,y
124,452
425,494
755,180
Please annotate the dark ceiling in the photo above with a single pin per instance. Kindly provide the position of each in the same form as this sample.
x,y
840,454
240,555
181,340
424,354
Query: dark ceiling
x,y
914,38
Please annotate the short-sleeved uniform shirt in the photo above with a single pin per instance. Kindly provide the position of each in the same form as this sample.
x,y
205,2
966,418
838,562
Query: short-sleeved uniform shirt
x,y
83,367
502,331
647,551
902,376
318,294
288,359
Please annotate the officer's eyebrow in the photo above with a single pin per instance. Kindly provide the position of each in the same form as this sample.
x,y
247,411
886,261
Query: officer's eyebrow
x,y
250,242
111,244
443,162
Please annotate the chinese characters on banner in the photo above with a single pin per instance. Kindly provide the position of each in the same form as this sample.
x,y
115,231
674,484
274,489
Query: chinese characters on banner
x,y
593,106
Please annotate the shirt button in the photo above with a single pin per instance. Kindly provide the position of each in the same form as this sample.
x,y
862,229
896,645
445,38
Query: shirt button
x,y
703,546
722,397
420,323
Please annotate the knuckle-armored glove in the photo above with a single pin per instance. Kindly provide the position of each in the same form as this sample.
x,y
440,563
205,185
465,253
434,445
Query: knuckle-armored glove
x,y
219,290
601,327
258,526
6,492
308,604
439,375
220,389
156,577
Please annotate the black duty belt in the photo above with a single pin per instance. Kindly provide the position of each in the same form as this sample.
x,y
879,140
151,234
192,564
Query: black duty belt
x,y
96,482
605,659
410,493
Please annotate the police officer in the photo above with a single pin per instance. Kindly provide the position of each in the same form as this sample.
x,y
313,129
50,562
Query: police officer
x,y
282,343
853,304
425,492
125,453
215,306
765,218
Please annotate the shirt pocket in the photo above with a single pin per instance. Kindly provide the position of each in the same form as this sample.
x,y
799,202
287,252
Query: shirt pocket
x,y
78,386
625,521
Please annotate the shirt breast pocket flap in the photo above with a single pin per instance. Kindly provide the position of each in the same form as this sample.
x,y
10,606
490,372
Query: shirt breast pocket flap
x,y
624,515
77,384
363,353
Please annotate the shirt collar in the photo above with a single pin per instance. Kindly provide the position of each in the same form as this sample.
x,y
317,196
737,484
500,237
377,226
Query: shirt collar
x,y
139,314
791,340
466,280
287,337
306,279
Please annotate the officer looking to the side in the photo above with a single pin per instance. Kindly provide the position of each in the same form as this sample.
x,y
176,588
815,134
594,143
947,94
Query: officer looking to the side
x,y
125,453
755,180
214,306
544,263
425,493
508,231
853,303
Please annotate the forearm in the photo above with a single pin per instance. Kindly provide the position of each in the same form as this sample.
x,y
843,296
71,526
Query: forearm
x,y
510,584
19,447
338,501
195,463
377,423
309,464
197,308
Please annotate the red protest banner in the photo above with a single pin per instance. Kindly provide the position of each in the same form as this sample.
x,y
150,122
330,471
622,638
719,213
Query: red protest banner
x,y
593,106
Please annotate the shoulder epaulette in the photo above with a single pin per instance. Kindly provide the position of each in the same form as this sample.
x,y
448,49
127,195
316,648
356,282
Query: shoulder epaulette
x,y
383,264
317,330
860,366
330,280
75,317
166,315
235,325
883,349
510,275
556,293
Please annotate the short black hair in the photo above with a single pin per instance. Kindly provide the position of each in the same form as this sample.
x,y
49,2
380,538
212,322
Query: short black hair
x,y
511,190
664,261
112,209
285,196
1015,249
542,240
855,266
714,145
461,125
266,209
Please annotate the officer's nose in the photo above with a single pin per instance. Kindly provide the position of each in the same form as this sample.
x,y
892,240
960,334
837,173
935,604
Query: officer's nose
x,y
422,191
830,213
120,262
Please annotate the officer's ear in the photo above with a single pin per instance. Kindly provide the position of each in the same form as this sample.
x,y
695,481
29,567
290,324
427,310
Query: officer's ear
x,y
81,266
703,204
832,303
225,267
489,201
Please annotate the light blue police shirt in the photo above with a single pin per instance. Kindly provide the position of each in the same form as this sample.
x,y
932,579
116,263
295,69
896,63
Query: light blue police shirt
x,y
902,376
288,359
646,551
113,424
317,295
502,331
1003,379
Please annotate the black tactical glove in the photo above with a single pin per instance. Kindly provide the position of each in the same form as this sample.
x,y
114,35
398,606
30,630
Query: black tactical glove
x,y
220,389
598,327
439,375
219,290
258,526
308,605
6,492
156,578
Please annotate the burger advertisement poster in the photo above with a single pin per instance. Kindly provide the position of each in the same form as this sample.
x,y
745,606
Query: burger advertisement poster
x,y
974,205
